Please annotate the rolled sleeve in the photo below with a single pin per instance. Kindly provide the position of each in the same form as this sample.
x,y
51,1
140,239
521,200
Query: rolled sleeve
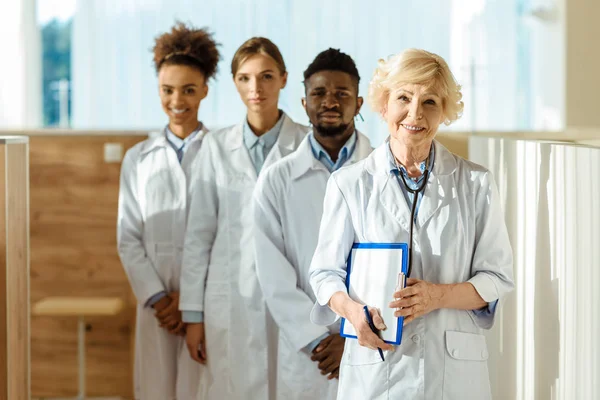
x,y
154,299
192,317
328,289
313,345
492,266
485,286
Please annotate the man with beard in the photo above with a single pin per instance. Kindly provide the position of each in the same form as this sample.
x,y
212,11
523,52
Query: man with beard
x,y
288,203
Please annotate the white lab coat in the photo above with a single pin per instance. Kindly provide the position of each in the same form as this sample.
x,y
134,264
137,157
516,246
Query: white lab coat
x,y
288,203
152,215
459,236
219,275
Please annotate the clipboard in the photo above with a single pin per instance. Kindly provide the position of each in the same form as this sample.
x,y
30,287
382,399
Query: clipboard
x,y
372,278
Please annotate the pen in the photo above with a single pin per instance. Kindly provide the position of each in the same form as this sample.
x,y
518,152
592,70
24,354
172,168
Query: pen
x,y
372,326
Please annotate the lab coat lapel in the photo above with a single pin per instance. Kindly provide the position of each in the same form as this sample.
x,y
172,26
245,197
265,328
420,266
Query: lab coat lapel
x,y
385,183
286,141
304,160
362,150
439,186
240,158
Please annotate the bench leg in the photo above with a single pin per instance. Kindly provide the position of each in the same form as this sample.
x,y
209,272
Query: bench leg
x,y
81,355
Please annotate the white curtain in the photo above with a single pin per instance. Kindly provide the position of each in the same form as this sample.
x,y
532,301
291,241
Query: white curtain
x,y
114,84
20,72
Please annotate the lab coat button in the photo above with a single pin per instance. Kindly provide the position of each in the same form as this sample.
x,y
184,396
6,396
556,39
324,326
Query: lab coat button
x,y
484,355
416,338
455,353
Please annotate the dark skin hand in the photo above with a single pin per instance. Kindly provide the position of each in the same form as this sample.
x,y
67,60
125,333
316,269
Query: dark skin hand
x,y
168,314
329,355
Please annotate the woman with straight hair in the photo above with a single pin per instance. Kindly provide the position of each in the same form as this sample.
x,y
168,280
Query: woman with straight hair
x,y
221,299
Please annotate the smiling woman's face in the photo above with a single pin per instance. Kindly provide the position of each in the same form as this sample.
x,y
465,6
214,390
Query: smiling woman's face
x,y
413,114
181,90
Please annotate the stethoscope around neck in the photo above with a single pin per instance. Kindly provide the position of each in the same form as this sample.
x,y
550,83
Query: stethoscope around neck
x,y
415,192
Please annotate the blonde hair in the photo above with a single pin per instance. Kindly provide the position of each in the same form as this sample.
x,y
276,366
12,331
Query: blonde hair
x,y
415,66
254,46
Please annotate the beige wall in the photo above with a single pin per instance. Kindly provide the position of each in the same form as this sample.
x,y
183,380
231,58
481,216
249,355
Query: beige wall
x,y
582,83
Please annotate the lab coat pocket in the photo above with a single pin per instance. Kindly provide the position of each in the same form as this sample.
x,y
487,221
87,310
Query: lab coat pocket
x,y
465,368
359,355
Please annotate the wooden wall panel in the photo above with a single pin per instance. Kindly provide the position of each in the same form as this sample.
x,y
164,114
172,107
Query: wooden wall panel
x,y
74,196
17,259
14,269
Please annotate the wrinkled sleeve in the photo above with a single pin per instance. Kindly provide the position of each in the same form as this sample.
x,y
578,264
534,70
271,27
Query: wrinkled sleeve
x,y
142,276
201,230
492,266
328,266
289,305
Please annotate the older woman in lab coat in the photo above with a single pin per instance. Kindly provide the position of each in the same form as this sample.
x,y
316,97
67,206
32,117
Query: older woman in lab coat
x,y
461,257
220,294
152,212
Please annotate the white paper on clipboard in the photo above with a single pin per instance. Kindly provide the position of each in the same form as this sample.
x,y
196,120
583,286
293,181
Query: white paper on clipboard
x,y
372,280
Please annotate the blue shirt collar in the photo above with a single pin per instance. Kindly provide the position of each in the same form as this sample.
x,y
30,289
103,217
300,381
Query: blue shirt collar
x,y
178,142
344,155
422,166
268,138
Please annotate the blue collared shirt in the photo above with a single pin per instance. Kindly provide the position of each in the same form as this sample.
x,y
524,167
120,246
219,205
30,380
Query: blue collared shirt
x,y
414,183
181,145
260,146
322,155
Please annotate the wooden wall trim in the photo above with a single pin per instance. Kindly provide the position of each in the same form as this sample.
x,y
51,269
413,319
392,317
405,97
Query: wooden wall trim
x,y
17,204
14,271
3,284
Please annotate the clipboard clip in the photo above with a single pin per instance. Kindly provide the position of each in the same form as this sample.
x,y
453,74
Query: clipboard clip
x,y
401,283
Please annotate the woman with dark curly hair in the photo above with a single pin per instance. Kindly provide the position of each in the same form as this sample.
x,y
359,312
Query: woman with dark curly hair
x,y
153,208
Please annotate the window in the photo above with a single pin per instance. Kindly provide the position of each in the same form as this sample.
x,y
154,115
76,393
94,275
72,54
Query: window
x,y
55,23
